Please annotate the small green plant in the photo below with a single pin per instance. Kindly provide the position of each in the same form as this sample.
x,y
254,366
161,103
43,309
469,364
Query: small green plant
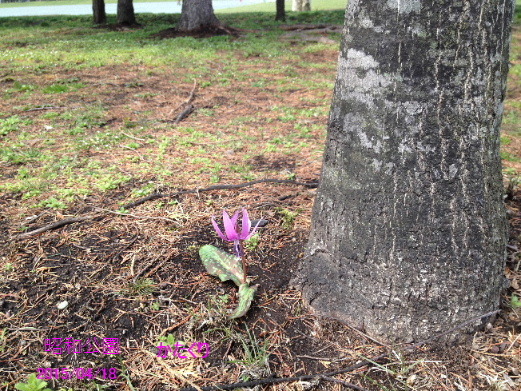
x,y
124,375
292,176
288,217
142,287
61,87
32,384
164,145
515,302
226,266
252,243
12,124
19,87
133,145
111,181
169,339
145,190
505,140
509,157
217,304
255,359
52,203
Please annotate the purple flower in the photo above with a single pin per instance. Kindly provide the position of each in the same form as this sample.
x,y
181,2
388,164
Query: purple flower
x,y
232,231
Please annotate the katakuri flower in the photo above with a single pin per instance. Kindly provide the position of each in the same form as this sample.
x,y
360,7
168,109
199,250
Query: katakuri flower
x,y
233,232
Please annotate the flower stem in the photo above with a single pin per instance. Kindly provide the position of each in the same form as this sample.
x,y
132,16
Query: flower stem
x,y
239,251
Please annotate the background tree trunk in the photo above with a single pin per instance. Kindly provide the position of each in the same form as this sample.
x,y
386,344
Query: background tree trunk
x,y
98,9
126,14
301,5
409,230
197,15
281,10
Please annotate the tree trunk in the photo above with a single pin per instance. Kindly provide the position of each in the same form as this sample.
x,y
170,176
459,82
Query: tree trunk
x,y
409,230
301,5
98,9
126,14
197,15
281,10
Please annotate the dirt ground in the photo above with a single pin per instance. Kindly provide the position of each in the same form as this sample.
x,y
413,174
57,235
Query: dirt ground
x,y
135,275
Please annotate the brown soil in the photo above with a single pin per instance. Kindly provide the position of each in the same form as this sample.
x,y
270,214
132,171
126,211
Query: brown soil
x,y
205,32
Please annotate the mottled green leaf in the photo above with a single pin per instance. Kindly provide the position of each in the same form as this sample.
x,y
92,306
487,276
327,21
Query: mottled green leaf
x,y
515,302
221,264
245,298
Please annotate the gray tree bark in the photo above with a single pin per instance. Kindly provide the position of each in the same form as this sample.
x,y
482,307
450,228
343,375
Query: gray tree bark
x,y
126,15
301,5
280,6
409,231
98,10
197,15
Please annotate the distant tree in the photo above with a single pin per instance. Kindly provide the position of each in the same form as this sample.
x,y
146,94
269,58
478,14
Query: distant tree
x,y
408,234
98,9
126,15
197,15
301,5
281,10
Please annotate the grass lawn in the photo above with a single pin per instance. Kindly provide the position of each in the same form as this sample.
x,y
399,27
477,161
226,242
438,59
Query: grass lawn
x,y
90,122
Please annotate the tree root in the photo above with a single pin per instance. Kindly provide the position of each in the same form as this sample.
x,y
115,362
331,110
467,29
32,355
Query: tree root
x,y
57,224
155,196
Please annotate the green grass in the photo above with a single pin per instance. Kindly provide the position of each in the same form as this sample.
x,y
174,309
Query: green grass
x,y
57,129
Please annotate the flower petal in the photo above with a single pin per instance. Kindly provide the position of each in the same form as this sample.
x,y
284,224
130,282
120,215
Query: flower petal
x,y
218,229
253,230
234,219
229,227
246,224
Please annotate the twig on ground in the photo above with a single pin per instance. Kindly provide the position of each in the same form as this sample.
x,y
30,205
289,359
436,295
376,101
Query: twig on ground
x,y
190,99
175,326
344,383
133,137
155,196
44,108
277,380
185,113
138,217
55,225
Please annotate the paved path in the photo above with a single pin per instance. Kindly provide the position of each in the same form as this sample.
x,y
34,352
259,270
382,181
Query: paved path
x,y
86,9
